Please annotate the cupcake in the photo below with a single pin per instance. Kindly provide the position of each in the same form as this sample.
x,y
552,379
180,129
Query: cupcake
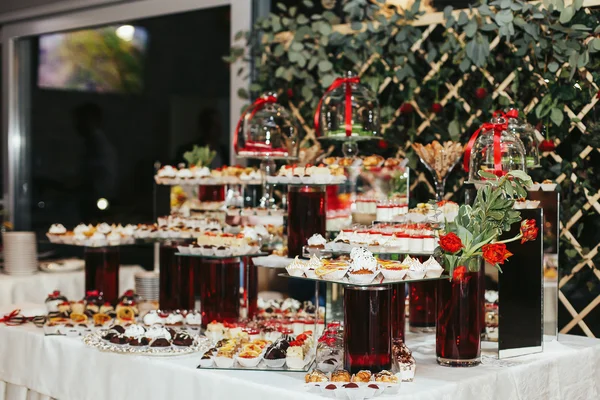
x,y
316,243
315,376
404,361
275,356
175,319
224,358
56,232
363,268
332,270
547,185
248,358
340,375
182,338
193,318
295,357
416,269
311,267
53,300
393,270
361,376
152,317
296,268
206,360
386,376
433,269
134,331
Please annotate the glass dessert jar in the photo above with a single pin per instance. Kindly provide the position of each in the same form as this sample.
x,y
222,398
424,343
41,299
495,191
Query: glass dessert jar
x,y
176,279
495,149
347,110
102,271
266,130
306,216
367,328
526,133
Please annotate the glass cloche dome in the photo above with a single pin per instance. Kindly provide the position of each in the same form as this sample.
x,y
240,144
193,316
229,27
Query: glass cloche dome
x,y
526,133
511,155
347,111
266,130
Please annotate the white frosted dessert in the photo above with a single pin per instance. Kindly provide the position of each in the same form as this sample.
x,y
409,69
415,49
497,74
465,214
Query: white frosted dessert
x,y
152,318
363,267
433,269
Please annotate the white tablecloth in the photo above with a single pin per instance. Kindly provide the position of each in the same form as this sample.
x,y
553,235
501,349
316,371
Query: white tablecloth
x,y
35,288
64,368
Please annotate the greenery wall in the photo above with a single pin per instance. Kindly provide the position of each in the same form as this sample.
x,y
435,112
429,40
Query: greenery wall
x,y
442,80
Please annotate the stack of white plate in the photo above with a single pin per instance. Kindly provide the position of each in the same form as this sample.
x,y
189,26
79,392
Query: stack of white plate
x,y
20,253
146,285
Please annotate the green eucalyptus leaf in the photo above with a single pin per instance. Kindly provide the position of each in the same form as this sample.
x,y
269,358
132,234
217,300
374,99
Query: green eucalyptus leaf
x,y
566,15
553,66
325,65
557,116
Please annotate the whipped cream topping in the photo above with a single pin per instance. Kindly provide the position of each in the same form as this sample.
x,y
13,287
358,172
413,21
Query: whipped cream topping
x,y
313,263
174,318
81,228
57,229
362,259
114,237
134,331
432,264
167,172
316,240
98,236
185,173
297,264
152,318
291,304
413,263
193,318
156,332
104,228
201,172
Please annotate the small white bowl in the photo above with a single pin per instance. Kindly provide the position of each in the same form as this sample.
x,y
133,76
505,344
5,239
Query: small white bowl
x,y
294,363
279,363
207,251
336,275
294,271
548,187
184,249
206,363
361,278
433,273
224,362
534,187
416,274
248,362
394,275
310,273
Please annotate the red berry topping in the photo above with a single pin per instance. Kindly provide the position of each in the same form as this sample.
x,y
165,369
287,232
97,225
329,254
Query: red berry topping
x,y
481,93
436,108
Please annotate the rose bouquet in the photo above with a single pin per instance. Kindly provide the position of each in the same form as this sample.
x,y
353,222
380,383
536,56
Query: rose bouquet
x,y
476,229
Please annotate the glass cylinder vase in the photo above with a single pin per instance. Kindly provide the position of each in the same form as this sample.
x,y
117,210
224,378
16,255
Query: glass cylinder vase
x,y
306,216
220,297
458,328
176,279
398,311
367,328
102,271
422,306
211,192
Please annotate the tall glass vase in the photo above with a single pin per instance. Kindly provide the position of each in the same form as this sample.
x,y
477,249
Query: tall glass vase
x,y
458,328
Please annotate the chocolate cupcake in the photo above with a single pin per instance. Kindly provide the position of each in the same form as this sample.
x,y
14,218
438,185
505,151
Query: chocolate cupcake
x,y
183,339
118,328
118,339
160,342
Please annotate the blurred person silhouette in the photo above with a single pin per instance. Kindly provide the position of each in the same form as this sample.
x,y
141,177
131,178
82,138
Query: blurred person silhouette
x,y
209,132
100,160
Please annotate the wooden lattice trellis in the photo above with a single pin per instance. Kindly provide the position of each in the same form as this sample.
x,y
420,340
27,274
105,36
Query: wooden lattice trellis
x,y
429,23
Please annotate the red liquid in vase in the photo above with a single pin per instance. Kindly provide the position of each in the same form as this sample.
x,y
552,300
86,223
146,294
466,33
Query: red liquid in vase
x,y
220,297
458,331
306,216
211,193
176,279
102,271
398,311
422,306
367,328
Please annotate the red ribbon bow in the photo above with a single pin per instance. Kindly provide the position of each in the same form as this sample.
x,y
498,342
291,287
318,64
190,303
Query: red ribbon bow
x,y
514,113
348,113
497,128
13,318
256,106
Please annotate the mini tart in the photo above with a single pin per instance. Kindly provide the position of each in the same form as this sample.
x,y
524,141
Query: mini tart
x,y
362,271
361,376
126,314
100,318
79,318
340,376
386,376
249,354
315,376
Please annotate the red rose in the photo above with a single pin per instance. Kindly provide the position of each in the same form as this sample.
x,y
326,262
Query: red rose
x,y
436,108
382,144
290,93
529,230
495,253
459,273
481,93
406,108
547,145
450,243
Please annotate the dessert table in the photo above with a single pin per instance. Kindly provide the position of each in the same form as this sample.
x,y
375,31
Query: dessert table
x,y
35,288
33,366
